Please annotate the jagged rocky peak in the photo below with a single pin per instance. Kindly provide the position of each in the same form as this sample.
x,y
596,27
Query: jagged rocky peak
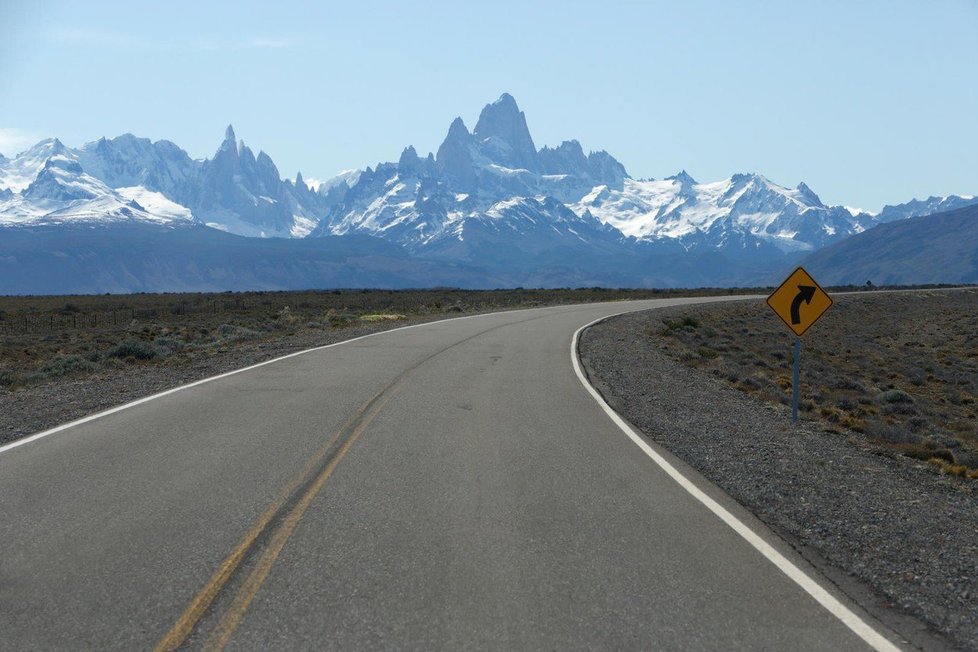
x,y
502,131
454,156
43,150
457,131
130,140
264,160
230,142
753,177
409,163
567,158
684,179
606,169
55,145
268,174
246,155
809,195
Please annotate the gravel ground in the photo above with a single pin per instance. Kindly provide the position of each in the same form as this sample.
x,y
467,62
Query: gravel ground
x,y
898,537
31,409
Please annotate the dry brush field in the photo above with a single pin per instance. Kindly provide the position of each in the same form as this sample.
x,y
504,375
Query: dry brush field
x,y
896,370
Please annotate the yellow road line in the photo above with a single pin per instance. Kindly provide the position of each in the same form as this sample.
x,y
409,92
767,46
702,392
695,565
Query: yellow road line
x,y
232,617
203,599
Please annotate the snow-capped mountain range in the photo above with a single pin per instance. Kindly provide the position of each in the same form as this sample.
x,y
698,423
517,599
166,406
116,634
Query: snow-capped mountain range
x,y
488,198
132,178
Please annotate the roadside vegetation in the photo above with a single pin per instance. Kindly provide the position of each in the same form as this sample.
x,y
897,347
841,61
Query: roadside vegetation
x,y
50,338
899,371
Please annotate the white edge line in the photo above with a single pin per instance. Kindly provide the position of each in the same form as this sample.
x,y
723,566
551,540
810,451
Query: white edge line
x,y
173,390
860,627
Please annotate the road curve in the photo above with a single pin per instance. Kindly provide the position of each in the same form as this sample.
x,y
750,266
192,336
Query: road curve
x,y
449,485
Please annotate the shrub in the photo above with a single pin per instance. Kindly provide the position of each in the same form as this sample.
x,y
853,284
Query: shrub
x,y
918,423
135,349
894,396
234,333
848,384
64,365
339,320
966,457
168,345
894,434
902,408
706,353
750,384
846,404
687,323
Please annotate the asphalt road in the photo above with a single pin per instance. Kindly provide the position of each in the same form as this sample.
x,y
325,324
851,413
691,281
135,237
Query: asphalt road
x,y
451,485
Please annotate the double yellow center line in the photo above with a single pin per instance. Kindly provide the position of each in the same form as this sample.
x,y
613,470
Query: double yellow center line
x,y
276,525
280,519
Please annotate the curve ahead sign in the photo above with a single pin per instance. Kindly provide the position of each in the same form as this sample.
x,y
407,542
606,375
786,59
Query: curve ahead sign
x,y
799,301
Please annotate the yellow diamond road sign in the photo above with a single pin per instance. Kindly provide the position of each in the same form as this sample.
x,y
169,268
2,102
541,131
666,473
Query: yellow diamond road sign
x,y
800,301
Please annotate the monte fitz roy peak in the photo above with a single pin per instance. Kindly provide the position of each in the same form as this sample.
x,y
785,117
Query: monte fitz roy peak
x,y
487,209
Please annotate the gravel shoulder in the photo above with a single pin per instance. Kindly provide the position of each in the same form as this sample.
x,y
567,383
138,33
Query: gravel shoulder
x,y
899,538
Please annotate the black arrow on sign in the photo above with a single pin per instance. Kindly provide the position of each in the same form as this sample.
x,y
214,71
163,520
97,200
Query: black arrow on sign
x,y
805,293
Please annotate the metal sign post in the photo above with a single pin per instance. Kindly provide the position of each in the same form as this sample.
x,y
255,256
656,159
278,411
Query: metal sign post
x,y
799,291
795,384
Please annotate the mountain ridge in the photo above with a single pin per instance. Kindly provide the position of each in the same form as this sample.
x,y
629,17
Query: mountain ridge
x,y
488,199
937,248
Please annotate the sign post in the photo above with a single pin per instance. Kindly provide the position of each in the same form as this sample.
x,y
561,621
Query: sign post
x,y
799,302
794,385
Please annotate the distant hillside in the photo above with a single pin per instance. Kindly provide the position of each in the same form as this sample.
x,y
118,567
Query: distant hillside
x,y
939,248
134,257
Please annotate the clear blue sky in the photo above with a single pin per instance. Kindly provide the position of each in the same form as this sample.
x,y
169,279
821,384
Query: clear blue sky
x,y
868,102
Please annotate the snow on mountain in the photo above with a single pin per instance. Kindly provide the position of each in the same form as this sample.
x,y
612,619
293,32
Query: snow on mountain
x,y
235,191
243,194
62,180
348,177
155,203
109,209
62,192
481,186
128,161
18,173
490,191
681,208
922,207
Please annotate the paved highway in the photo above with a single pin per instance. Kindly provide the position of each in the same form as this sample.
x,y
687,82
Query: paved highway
x,y
444,486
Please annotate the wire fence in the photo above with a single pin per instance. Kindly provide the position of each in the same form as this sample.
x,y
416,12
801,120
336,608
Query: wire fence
x,y
72,319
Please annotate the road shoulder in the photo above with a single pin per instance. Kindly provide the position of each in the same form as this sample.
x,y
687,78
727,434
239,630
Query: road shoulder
x,y
898,539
